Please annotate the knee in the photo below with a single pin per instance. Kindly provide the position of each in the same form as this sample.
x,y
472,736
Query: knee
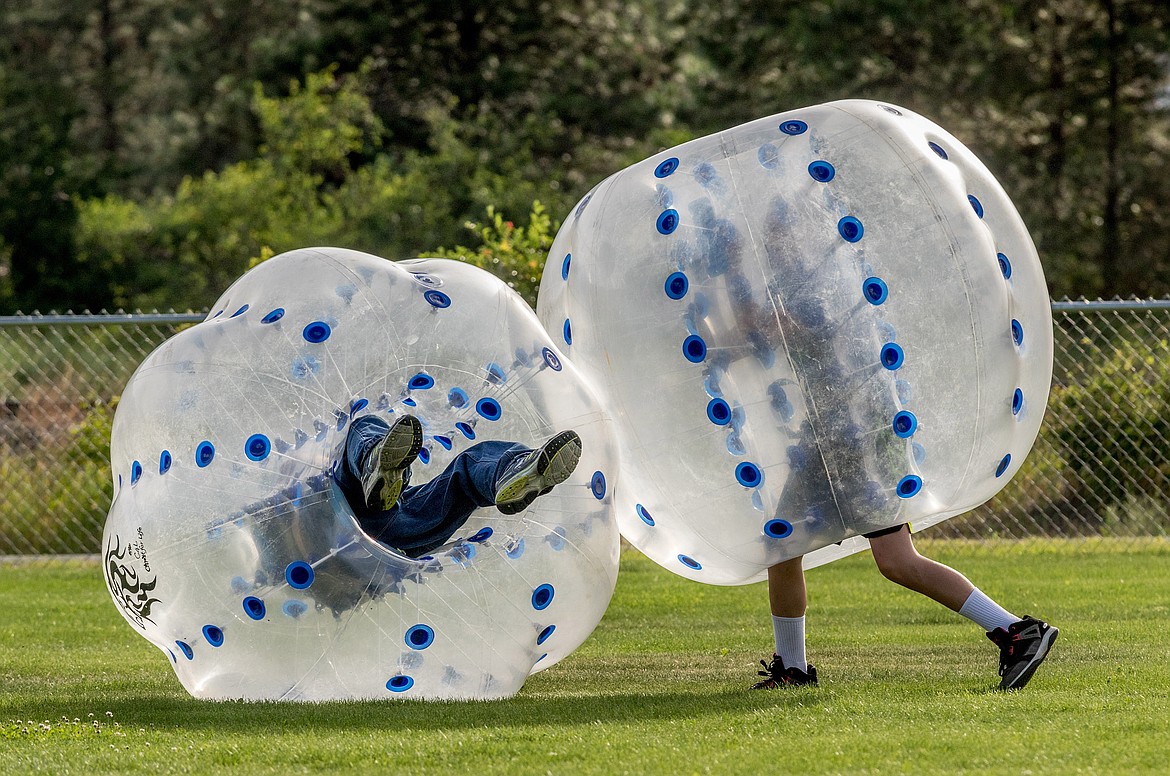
x,y
899,569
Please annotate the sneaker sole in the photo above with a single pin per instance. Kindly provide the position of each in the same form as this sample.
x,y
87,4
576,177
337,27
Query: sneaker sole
x,y
556,462
1022,678
401,447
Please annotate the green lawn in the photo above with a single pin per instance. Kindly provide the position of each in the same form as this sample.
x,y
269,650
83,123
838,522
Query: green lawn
x,y
660,687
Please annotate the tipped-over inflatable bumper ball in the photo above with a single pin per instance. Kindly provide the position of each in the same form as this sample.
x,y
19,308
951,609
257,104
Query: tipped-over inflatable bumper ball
x,y
230,547
810,327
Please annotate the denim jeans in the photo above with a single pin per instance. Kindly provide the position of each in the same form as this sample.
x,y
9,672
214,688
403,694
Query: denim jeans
x,y
426,516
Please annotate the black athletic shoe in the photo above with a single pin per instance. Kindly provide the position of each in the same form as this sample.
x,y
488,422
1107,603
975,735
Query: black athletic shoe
x,y
382,470
776,675
1022,648
535,473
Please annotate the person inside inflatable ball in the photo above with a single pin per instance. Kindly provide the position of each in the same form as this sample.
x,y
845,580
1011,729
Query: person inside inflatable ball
x,y
374,475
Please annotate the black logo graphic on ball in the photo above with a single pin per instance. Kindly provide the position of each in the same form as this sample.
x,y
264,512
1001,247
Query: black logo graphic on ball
x,y
132,591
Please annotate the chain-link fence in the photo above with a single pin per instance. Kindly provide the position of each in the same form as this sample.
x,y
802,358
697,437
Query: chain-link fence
x,y
1100,468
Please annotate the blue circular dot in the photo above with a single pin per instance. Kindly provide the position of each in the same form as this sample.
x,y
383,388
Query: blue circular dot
x,y
186,649
213,634
597,485
544,634
875,290
204,453
489,408
905,424
481,535
294,608
254,607
567,332
694,349
495,373
135,472
164,462
719,412
643,514
565,266
1005,266
1017,401
542,597
748,474
909,486
551,359
426,280
444,441
420,636
273,316
400,683
465,429
821,171
666,167
937,149
299,574
317,331
358,406
690,562
768,156
677,285
424,456
976,205
777,529
257,447
516,550
457,397
794,127
1003,465
892,356
1017,332
437,299
850,229
240,312
667,221
409,402
421,382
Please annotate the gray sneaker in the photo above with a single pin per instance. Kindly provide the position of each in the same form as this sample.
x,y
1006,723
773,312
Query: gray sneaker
x,y
1022,648
382,470
536,472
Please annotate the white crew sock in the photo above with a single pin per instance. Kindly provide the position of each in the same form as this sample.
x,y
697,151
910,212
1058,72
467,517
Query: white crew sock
x,y
789,632
990,615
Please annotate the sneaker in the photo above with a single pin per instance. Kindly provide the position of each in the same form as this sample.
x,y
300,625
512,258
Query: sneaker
x,y
382,469
1022,648
776,675
536,472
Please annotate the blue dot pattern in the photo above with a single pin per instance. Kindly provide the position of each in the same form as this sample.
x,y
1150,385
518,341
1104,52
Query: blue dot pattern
x,y
667,221
316,332
420,637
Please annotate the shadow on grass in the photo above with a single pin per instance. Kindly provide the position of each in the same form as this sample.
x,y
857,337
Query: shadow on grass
x,y
160,712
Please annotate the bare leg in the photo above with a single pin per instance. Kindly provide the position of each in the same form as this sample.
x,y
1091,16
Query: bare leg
x,y
786,591
900,562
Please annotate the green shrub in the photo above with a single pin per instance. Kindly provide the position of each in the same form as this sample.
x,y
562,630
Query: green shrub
x,y
515,254
1113,425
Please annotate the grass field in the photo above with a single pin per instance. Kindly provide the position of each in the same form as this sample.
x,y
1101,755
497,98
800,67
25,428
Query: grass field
x,y
906,686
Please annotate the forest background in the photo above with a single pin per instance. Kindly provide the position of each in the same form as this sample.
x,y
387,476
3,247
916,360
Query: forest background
x,y
151,150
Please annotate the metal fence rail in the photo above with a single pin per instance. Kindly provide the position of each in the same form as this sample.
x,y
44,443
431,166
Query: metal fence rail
x,y
1100,468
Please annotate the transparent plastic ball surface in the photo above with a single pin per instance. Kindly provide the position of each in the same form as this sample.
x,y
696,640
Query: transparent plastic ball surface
x,y
230,547
809,327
